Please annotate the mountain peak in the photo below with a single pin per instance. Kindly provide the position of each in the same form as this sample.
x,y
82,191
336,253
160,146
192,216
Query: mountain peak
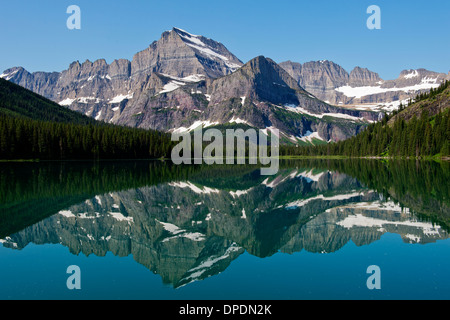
x,y
261,60
11,73
192,39
180,54
184,32
269,71
211,49
260,79
363,77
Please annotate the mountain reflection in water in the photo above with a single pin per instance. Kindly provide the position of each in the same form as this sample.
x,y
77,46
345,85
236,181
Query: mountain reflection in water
x,y
190,223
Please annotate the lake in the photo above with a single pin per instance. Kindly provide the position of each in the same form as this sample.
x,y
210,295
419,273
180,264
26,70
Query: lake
x,y
153,230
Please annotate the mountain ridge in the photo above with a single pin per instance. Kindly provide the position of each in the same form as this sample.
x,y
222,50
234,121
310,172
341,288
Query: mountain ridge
x,y
362,88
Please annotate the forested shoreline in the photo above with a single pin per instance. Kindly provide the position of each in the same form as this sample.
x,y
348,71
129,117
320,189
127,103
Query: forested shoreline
x,y
22,138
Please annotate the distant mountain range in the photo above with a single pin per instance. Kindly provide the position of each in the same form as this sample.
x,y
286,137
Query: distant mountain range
x,y
361,88
183,81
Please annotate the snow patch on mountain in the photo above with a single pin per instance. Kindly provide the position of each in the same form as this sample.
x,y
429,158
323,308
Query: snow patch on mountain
x,y
358,92
66,102
300,110
413,74
195,42
310,136
119,98
8,76
194,126
240,121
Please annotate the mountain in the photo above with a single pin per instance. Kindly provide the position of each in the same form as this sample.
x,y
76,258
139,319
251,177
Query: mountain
x,y
260,95
183,80
361,88
270,98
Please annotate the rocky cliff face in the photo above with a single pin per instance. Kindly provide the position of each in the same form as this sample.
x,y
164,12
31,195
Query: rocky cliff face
x,y
320,78
322,74
177,54
409,78
103,91
361,88
42,83
260,95
271,98
181,54
260,79
360,77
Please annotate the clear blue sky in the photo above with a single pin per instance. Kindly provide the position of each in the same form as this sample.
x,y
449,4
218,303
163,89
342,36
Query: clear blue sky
x,y
414,34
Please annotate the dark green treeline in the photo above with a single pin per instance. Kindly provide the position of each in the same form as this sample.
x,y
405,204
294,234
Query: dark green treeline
x,y
22,138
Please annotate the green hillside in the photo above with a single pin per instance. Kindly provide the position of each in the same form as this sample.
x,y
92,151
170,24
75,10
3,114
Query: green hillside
x,y
16,101
33,127
433,102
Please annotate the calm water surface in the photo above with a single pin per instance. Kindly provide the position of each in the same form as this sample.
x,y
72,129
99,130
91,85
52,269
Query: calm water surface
x,y
151,230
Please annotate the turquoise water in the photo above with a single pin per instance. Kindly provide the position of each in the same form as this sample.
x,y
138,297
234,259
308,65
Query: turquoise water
x,y
139,231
